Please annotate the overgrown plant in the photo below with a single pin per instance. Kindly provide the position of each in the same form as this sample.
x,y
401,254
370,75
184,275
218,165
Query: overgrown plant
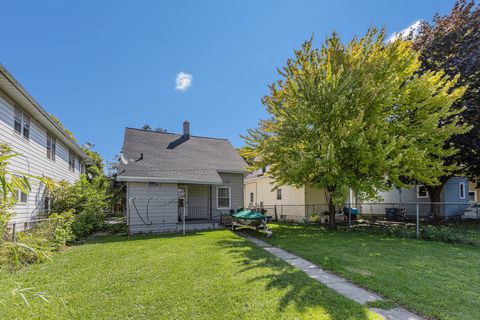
x,y
87,199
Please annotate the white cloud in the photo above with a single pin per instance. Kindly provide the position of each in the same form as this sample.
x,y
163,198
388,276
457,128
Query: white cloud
x,y
183,81
414,27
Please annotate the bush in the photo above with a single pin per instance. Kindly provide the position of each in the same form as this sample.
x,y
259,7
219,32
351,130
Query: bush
x,y
86,223
37,243
88,200
315,218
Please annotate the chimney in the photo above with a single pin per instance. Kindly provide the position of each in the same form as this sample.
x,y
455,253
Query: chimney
x,y
186,130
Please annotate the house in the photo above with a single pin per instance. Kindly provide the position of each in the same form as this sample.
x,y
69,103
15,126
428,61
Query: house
x,y
176,178
474,190
43,147
454,198
287,202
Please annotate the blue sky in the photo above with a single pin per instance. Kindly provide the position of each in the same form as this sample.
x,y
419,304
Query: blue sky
x,y
101,66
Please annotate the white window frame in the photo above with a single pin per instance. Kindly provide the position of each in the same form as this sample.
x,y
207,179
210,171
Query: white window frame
x,y
252,197
52,148
279,193
25,123
474,196
71,156
18,196
229,197
461,187
418,192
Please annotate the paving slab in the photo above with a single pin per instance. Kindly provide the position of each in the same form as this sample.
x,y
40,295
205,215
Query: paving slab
x,y
339,284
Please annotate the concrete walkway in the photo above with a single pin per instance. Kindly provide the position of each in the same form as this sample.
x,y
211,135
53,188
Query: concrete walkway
x,y
335,282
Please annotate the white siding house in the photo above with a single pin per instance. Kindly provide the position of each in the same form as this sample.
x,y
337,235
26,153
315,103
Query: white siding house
x,y
43,148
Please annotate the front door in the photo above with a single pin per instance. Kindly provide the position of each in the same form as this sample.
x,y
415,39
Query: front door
x,y
182,202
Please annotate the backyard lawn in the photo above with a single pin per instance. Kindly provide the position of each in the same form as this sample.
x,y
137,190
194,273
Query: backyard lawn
x,y
210,275
438,280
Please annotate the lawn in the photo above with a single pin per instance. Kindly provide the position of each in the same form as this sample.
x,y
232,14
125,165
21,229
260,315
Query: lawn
x,y
438,280
210,275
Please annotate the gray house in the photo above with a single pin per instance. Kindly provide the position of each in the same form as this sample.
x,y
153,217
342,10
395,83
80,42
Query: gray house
x,y
454,198
179,180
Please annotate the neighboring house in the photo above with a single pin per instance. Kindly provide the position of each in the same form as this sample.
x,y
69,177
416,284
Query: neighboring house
x,y
455,195
288,201
43,147
171,175
474,190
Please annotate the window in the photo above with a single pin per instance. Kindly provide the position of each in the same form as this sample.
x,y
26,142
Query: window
x,y
422,192
252,197
20,197
82,168
461,190
51,147
71,161
21,123
47,201
472,196
223,198
279,194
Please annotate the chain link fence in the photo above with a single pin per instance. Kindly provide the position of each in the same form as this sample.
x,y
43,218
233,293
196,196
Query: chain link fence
x,y
442,221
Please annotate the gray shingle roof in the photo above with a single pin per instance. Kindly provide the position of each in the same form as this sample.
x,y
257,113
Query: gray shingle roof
x,y
168,156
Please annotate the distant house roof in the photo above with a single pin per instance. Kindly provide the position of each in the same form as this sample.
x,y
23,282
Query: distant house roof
x,y
167,157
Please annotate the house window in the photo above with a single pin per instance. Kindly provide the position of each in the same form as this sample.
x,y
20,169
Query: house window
x,y
252,197
461,190
71,161
472,196
422,192
82,168
223,198
51,147
47,201
279,194
20,197
21,123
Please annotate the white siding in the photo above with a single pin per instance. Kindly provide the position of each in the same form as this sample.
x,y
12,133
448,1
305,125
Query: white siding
x,y
33,159
163,216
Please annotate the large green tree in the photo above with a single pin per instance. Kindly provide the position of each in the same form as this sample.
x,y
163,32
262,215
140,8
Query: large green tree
x,y
356,116
452,43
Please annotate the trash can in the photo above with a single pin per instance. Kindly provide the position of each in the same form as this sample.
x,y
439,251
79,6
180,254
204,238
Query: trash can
x,y
391,214
353,212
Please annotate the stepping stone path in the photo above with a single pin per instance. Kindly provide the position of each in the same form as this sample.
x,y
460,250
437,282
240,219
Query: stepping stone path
x,y
335,282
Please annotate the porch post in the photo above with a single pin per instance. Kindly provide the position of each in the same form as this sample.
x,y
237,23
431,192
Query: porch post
x,y
210,200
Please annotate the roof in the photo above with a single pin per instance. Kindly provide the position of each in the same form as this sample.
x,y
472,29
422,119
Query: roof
x,y
15,91
169,157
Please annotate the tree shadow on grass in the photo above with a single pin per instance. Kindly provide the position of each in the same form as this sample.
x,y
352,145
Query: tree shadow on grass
x,y
299,290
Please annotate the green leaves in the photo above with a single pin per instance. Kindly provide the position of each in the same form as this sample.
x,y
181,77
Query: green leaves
x,y
358,116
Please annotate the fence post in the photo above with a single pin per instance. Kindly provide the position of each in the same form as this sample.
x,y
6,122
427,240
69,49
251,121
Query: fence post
x,y
418,221
14,235
349,215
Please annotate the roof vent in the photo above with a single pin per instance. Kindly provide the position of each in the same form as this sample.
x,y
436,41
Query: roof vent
x,y
186,130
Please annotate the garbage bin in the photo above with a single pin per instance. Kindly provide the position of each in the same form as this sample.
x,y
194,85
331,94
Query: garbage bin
x,y
391,214
352,211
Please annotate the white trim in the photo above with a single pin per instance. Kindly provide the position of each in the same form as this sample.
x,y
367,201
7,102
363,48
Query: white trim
x,y
418,190
460,184
229,198
166,180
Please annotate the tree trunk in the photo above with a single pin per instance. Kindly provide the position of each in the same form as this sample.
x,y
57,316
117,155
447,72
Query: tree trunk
x,y
435,194
331,208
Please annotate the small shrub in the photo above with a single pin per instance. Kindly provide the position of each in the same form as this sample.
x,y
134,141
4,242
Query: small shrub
x,y
86,223
315,218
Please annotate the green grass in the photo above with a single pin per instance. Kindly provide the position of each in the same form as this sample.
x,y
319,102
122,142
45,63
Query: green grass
x,y
438,280
211,275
